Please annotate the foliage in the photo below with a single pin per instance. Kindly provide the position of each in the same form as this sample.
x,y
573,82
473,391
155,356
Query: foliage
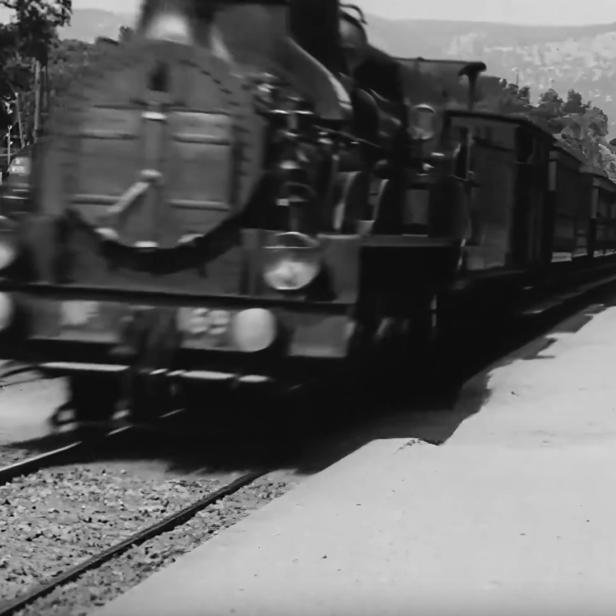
x,y
507,98
63,60
67,57
68,60
24,42
578,125
36,22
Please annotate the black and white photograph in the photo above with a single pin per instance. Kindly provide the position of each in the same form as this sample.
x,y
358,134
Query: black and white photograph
x,y
307,308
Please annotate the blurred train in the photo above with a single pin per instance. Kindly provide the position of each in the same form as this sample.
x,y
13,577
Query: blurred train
x,y
249,192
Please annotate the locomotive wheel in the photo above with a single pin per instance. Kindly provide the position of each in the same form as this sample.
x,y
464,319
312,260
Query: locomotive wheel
x,y
150,397
93,397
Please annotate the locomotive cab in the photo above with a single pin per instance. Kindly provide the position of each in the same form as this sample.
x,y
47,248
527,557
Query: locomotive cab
x,y
440,189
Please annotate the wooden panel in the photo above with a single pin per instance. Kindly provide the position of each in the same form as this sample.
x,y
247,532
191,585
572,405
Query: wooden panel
x,y
110,151
416,207
492,208
170,120
201,160
569,194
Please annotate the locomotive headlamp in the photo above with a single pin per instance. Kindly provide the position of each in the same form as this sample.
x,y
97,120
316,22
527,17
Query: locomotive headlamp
x,y
7,309
8,243
8,252
253,330
423,122
292,262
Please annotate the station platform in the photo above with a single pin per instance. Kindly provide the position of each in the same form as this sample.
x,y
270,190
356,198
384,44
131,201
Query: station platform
x,y
513,514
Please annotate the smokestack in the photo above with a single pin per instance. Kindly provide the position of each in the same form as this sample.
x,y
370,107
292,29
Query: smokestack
x,y
166,20
315,26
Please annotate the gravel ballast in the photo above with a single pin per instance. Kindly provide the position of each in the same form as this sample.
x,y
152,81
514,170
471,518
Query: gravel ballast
x,y
60,517
10,456
54,519
42,547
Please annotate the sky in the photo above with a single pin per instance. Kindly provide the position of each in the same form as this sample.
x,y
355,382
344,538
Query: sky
x,y
540,12
544,12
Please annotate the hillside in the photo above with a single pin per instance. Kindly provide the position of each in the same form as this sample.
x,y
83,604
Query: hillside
x,y
582,58
88,24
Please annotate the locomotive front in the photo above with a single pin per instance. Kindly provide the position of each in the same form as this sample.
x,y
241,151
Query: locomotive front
x,y
197,215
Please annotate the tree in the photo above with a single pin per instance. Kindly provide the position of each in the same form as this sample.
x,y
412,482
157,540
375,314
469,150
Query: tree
x,y
583,128
506,98
24,49
66,60
574,103
36,22
549,112
580,126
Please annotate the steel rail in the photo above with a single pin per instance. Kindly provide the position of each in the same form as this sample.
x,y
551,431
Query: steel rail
x,y
165,525
36,463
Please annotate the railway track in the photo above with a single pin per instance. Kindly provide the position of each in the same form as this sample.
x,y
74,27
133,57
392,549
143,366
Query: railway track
x,y
58,455
164,525
55,456
118,535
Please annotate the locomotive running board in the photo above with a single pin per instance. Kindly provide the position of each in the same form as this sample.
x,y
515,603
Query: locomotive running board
x,y
68,367
210,375
187,375
559,300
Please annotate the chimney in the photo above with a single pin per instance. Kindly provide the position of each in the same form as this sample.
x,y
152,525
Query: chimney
x,y
315,26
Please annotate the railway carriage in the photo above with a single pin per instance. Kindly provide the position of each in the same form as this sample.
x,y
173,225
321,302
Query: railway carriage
x,y
567,196
597,231
249,193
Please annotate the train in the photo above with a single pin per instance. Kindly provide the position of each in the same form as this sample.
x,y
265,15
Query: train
x,y
250,193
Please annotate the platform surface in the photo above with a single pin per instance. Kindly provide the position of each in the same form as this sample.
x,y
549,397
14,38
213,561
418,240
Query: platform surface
x,y
514,514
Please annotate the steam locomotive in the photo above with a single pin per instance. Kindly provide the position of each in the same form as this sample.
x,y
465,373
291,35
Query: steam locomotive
x,y
249,192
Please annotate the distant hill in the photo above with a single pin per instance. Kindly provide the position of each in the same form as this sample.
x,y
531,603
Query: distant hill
x,y
88,24
582,57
